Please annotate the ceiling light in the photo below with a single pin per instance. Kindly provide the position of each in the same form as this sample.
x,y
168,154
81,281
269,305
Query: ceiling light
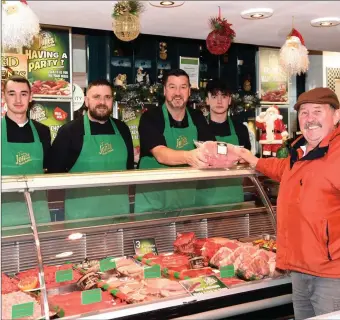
x,y
64,254
75,236
257,13
325,22
166,4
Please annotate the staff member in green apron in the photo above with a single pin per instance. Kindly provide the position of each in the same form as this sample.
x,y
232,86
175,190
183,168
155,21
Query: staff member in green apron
x,y
25,145
167,137
94,142
222,191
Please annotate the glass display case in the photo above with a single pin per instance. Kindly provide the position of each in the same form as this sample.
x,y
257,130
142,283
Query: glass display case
x,y
108,256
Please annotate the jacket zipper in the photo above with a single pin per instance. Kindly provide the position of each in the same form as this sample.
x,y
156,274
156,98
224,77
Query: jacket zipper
x,y
327,242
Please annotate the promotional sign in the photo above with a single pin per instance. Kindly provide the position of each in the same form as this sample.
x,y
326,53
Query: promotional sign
x,y
132,117
78,97
201,285
192,67
53,114
13,64
144,246
273,81
49,64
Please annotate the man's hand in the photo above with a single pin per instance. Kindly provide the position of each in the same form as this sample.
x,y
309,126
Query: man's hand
x,y
195,158
245,155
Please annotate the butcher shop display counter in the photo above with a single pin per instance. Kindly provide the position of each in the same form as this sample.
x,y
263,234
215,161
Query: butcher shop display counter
x,y
106,262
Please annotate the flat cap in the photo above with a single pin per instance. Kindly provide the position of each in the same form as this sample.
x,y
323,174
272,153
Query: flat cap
x,y
319,96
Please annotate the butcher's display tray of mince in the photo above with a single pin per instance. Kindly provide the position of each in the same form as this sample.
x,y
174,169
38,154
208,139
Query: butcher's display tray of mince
x,y
196,266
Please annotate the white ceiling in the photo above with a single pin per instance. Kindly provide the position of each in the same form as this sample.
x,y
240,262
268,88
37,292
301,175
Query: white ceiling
x,y
191,19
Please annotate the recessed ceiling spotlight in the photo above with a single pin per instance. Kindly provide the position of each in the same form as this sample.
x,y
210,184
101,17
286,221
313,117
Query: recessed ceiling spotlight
x,y
257,13
325,22
166,4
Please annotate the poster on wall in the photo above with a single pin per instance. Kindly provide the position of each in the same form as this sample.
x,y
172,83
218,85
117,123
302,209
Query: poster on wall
x,y
49,64
192,67
273,81
132,117
53,114
11,64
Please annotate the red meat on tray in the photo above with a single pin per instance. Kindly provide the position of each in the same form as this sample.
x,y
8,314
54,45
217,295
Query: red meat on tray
x,y
8,285
71,303
185,243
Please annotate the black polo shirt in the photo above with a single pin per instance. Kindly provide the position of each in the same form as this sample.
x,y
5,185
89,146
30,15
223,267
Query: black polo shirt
x,y
152,125
223,129
68,143
16,134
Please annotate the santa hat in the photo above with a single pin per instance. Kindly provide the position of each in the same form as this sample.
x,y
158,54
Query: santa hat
x,y
296,34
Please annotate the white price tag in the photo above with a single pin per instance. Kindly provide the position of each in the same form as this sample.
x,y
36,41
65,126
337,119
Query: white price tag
x,y
222,148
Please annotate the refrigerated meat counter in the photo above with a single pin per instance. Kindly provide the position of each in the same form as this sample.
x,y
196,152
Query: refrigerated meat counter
x,y
203,263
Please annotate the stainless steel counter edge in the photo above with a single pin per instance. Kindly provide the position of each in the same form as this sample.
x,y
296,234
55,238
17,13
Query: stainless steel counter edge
x,y
162,304
97,179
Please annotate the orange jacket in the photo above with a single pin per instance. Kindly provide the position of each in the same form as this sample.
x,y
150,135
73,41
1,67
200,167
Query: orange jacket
x,y
308,207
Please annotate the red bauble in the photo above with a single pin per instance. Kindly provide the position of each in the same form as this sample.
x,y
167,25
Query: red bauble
x,y
217,42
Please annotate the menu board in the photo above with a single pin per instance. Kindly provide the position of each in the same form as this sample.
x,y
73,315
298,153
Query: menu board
x,y
49,64
53,114
273,81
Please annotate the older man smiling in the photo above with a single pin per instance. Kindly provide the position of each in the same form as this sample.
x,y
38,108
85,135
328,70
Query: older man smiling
x,y
308,208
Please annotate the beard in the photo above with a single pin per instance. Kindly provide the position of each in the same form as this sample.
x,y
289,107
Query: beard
x,y
100,112
177,104
294,58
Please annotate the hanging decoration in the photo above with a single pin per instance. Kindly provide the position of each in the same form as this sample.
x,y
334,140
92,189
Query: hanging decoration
x,y
19,25
221,36
126,24
294,55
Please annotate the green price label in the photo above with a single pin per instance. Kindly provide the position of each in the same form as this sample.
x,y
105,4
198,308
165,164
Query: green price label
x,y
227,271
22,310
107,264
64,275
91,296
152,272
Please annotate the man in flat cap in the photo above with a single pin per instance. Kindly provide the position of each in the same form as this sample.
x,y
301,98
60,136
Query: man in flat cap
x,y
308,207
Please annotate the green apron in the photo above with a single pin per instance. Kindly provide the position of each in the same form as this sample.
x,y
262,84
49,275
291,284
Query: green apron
x,y
168,196
221,191
22,159
99,153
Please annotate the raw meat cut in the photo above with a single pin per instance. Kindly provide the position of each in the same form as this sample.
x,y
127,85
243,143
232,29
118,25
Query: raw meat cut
x,y
71,303
194,273
218,154
8,285
184,243
229,282
9,299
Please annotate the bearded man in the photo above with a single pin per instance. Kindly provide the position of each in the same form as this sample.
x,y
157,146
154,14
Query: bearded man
x,y
167,137
94,142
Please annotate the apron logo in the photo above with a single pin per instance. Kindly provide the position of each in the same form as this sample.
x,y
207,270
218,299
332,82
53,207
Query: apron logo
x,y
182,141
105,148
22,158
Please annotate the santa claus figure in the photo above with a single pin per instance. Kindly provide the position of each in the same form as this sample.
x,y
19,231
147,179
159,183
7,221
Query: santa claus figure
x,y
274,131
19,24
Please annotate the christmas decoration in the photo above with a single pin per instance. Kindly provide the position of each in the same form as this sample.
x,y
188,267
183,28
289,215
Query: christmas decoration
x,y
19,25
220,38
283,151
126,25
243,103
120,80
141,77
294,55
273,130
163,50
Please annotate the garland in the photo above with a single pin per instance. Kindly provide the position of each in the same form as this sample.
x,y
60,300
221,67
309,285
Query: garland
x,y
135,96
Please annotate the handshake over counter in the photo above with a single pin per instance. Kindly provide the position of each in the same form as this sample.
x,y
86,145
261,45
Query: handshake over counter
x,y
214,154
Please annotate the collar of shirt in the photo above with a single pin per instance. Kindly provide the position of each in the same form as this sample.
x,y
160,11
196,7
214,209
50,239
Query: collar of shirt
x,y
21,125
178,124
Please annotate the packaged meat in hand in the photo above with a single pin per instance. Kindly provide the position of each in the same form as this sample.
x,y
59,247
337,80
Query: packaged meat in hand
x,y
219,154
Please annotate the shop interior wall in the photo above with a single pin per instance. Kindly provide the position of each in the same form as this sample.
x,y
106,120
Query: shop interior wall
x,y
103,47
